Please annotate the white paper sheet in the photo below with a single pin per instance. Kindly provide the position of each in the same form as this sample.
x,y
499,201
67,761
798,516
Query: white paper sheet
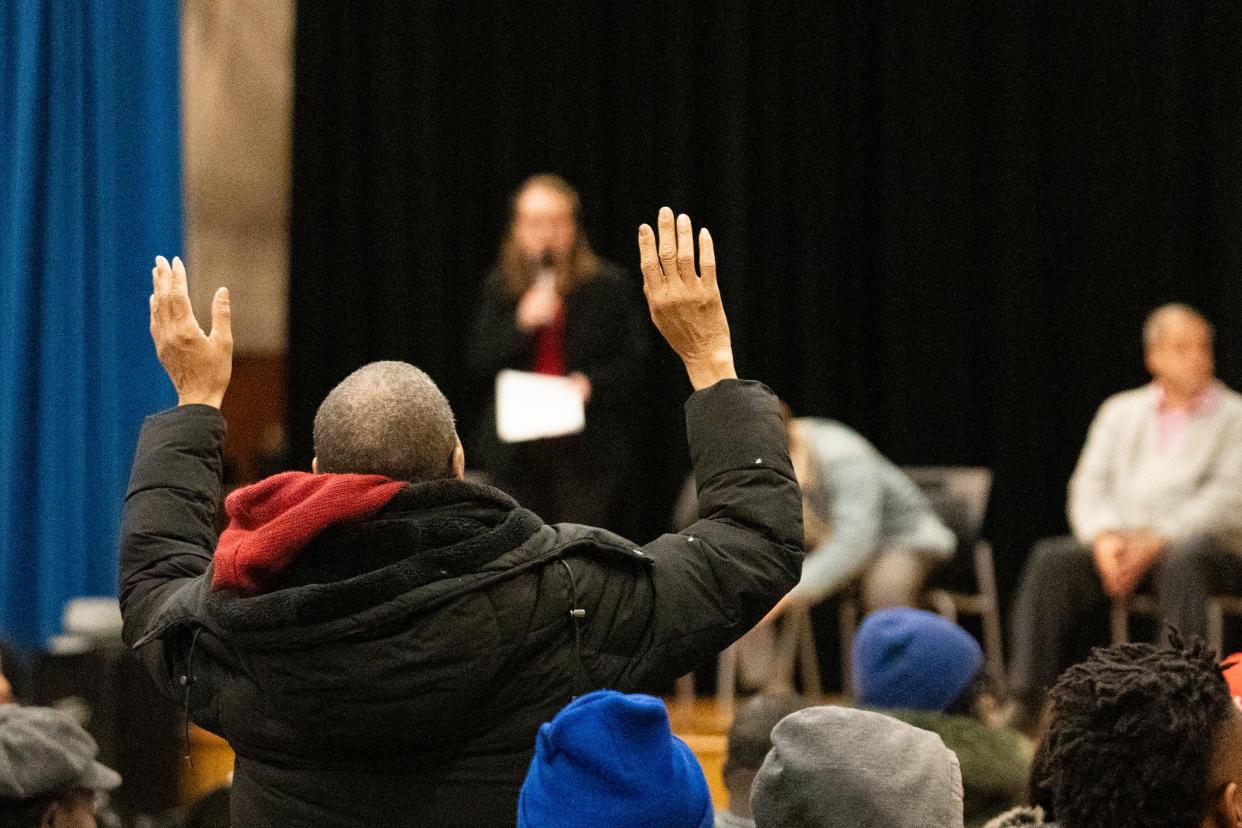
x,y
533,406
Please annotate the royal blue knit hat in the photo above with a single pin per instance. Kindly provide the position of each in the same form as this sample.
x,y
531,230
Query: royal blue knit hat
x,y
912,659
609,759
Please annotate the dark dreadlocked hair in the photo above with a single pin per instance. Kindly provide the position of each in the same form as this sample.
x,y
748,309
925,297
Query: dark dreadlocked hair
x,y
1132,735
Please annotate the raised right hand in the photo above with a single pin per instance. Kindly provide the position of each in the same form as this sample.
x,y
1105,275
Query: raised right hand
x,y
685,308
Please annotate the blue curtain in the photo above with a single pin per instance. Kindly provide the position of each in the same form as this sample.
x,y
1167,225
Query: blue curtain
x,y
90,191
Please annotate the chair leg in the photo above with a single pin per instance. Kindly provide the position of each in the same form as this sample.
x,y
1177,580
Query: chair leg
x,y
1216,626
993,640
1119,622
785,662
726,682
685,691
812,687
942,602
993,646
847,621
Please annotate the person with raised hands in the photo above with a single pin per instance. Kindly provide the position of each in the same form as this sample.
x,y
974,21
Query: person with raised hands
x,y
379,639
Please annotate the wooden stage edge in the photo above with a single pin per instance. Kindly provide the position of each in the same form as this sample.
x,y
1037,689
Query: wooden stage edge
x,y
704,725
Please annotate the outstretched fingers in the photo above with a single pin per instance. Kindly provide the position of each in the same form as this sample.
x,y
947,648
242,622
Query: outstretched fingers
x,y
685,251
170,299
668,244
161,278
179,282
707,259
222,318
648,259
179,292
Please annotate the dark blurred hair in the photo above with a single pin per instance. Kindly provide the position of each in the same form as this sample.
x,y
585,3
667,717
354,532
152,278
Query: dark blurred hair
x,y
1132,736
968,701
25,813
750,736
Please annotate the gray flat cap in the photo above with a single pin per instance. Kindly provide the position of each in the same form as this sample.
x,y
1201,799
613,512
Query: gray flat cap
x,y
44,751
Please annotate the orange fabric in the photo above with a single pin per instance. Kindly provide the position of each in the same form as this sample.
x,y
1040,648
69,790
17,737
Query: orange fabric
x,y
1233,673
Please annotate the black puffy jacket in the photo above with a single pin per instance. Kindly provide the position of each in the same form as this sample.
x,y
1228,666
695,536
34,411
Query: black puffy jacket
x,y
396,672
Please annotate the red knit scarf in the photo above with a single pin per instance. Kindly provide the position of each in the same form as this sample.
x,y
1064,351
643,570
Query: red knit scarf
x,y
273,520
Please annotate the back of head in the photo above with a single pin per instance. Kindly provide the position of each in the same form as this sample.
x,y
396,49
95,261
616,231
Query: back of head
x,y
832,766
1132,736
44,756
611,759
912,659
750,735
386,418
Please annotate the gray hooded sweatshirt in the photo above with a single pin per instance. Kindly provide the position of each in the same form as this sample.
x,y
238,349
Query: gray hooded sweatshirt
x,y
835,766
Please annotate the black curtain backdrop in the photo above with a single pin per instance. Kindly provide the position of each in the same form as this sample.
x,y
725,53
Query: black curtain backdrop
x,y
939,223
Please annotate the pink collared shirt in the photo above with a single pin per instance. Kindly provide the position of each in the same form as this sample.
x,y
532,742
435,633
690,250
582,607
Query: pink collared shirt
x,y
1172,422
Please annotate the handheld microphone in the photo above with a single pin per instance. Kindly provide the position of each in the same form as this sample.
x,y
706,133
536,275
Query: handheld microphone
x,y
546,277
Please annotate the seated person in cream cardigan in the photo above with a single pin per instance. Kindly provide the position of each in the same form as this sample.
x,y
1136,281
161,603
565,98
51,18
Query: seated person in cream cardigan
x,y
1155,504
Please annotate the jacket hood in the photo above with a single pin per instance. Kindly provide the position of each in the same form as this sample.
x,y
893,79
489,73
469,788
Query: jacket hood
x,y
381,561
273,520
378,639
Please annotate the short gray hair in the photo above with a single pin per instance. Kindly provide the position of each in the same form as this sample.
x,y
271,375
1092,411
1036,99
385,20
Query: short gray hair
x,y
1153,327
386,418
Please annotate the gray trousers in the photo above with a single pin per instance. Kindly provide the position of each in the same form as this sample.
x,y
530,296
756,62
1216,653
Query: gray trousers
x,y
1061,610
894,579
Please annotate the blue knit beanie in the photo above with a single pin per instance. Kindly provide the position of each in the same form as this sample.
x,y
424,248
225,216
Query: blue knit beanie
x,y
912,659
609,759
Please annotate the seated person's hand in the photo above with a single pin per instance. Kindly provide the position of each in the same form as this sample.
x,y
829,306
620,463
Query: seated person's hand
x,y
1108,551
1124,558
1142,550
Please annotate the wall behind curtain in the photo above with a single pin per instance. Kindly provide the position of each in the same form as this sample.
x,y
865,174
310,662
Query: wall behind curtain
x,y
237,84
90,191
940,223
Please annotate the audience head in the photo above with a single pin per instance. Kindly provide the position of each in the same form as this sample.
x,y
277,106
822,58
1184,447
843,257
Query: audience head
x,y
832,766
545,229
388,418
750,739
1177,340
1144,735
48,774
912,659
610,759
